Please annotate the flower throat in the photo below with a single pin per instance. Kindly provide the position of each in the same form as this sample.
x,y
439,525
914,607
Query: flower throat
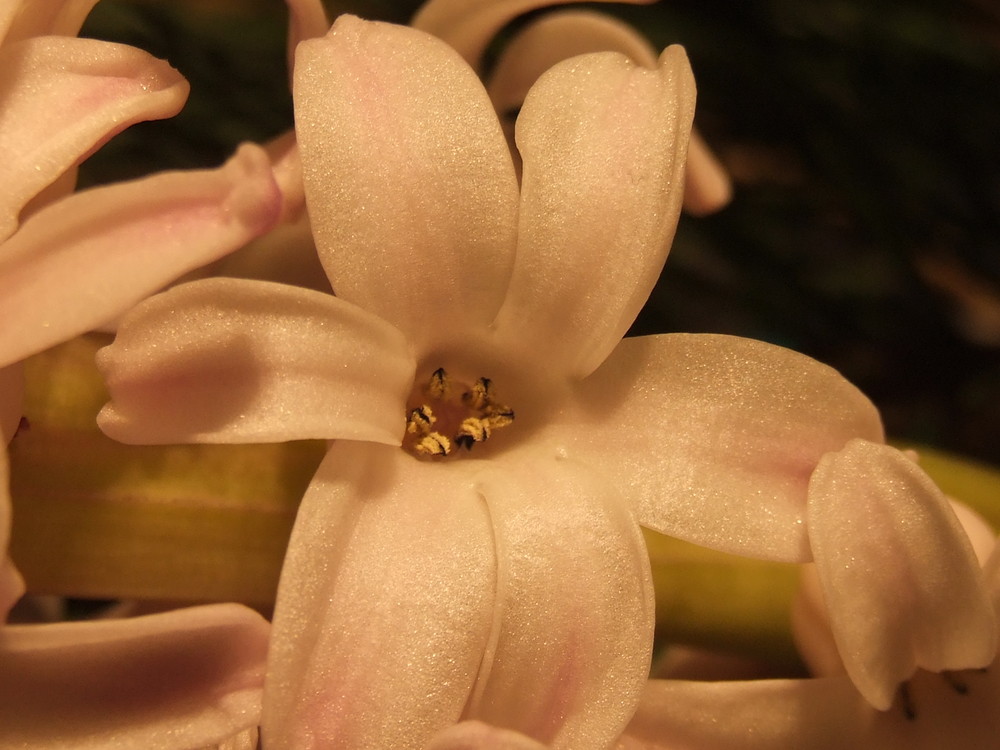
x,y
453,416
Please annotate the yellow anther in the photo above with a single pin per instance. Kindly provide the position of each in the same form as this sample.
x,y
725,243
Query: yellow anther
x,y
439,386
479,397
434,444
420,420
499,416
473,430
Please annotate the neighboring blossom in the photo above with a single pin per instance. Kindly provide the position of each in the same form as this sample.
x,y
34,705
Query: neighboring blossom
x,y
897,619
469,547
62,97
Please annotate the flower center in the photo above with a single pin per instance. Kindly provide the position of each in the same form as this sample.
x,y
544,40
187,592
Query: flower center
x,y
446,415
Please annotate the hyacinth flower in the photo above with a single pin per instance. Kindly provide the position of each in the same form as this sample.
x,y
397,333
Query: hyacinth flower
x,y
483,405
897,618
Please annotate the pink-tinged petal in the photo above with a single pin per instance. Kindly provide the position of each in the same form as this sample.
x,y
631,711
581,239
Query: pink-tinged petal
x,y
571,642
307,20
286,163
475,735
469,25
86,259
11,400
409,183
713,438
11,583
982,536
901,583
811,627
286,254
234,361
707,187
991,577
603,144
62,98
20,19
384,605
183,679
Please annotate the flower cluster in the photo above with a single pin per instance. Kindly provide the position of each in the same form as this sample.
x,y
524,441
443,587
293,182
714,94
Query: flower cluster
x,y
467,568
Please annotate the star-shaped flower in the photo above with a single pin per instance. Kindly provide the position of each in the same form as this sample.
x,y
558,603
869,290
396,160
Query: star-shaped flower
x,y
469,547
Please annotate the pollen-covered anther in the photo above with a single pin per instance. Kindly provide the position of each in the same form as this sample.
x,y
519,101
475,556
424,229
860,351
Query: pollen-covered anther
x,y
439,386
433,444
473,430
438,420
480,396
420,421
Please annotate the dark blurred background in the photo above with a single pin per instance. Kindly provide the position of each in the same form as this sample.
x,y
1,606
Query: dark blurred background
x,y
863,139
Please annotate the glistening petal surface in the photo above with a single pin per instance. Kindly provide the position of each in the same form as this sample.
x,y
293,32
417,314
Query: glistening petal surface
x,y
571,641
233,361
384,605
86,259
62,98
902,585
603,144
183,679
715,437
409,184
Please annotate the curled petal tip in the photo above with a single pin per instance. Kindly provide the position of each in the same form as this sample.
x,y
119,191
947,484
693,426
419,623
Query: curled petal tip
x,y
256,200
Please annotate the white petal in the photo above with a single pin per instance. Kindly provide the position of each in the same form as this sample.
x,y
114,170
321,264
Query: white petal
x,y
233,360
469,25
714,437
62,98
409,183
84,260
571,643
307,20
603,144
901,582
384,605
173,681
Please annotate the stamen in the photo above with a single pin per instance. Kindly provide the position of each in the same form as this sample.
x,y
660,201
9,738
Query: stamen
x,y
443,421
473,430
420,420
958,685
479,397
434,444
439,386
906,700
499,416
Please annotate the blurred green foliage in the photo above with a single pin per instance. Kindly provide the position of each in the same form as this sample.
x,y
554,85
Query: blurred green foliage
x,y
862,136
